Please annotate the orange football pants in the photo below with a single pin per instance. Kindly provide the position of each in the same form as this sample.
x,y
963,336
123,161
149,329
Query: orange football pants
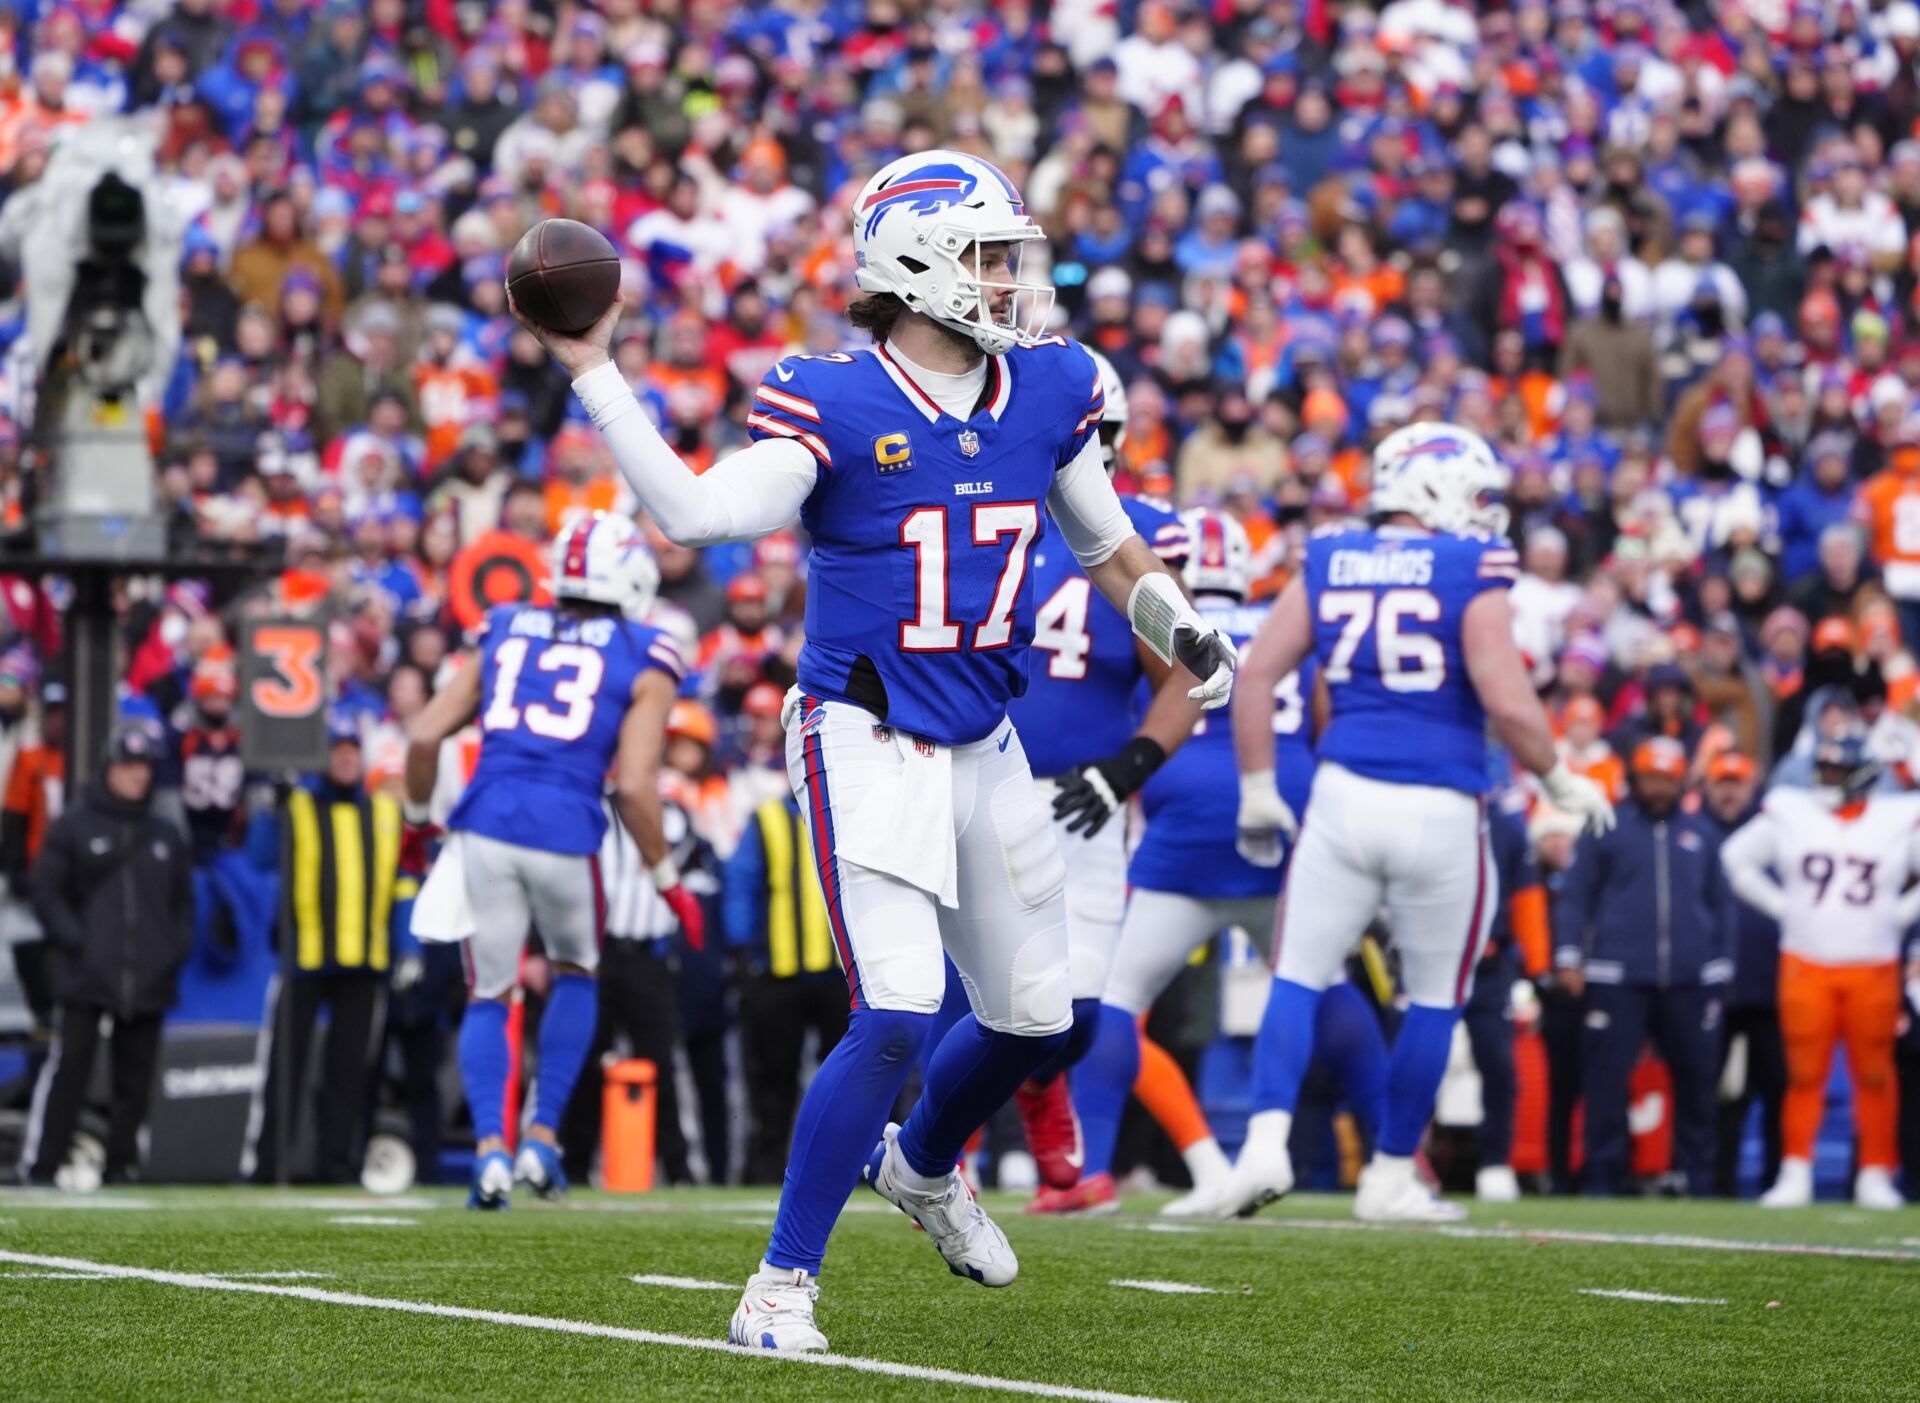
x,y
1821,1005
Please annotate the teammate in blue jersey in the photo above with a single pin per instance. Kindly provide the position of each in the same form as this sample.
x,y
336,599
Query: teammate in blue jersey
x,y
925,470
560,691
1187,882
1409,623
1077,724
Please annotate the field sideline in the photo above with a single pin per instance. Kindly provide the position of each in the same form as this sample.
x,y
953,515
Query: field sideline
x,y
183,1293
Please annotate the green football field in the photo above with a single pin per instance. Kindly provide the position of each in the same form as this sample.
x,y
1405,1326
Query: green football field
x,y
230,1294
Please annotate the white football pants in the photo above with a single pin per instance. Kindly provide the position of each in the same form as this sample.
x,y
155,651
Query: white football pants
x,y
513,890
1416,852
1096,893
885,810
1161,931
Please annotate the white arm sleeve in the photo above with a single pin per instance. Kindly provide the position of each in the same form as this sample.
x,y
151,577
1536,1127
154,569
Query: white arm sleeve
x,y
1086,507
1746,856
756,491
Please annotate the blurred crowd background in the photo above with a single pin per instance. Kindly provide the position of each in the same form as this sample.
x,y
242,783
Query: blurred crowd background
x,y
1662,255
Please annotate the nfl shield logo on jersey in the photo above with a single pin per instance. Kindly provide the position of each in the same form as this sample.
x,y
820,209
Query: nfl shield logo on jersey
x,y
969,443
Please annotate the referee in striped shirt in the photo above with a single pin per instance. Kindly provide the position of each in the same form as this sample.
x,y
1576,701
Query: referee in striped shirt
x,y
639,995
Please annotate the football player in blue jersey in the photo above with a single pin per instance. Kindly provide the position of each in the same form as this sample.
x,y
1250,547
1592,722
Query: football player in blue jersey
x,y
1186,883
1076,722
1408,621
919,469
560,690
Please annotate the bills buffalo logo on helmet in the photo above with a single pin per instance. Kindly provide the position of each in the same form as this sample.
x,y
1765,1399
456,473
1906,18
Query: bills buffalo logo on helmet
x,y
927,189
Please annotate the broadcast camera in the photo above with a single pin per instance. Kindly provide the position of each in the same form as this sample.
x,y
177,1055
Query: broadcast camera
x,y
100,251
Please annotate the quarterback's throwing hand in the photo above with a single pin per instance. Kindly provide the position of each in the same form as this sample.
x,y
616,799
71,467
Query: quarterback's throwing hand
x,y
1265,821
1211,657
1579,796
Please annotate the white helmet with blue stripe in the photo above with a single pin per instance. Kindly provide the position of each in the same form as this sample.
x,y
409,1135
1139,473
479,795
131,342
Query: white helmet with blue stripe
x,y
1442,475
918,226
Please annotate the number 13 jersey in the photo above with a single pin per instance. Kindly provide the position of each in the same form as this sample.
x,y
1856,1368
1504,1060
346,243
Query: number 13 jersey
x,y
1387,606
554,689
919,597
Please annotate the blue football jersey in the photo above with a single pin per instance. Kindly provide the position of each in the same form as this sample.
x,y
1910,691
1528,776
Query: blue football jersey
x,y
1084,665
1387,606
554,689
1192,803
919,588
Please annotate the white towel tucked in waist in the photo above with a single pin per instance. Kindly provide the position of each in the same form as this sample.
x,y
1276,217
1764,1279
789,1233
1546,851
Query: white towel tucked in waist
x,y
441,912
904,824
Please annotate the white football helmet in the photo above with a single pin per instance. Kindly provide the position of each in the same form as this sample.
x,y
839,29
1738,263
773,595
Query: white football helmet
x,y
1219,555
604,559
917,229
1443,475
1113,418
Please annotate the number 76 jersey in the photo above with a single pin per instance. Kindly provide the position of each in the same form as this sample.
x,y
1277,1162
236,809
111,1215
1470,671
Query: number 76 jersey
x,y
1387,605
554,690
1843,871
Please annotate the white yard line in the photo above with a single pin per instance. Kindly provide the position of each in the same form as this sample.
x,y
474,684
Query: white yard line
x,y
367,1220
1164,1288
1605,1239
1157,1227
56,1276
1653,1297
684,1283
272,1275
202,1282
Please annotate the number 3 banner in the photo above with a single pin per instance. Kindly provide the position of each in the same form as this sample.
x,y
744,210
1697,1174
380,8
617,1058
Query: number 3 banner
x,y
283,694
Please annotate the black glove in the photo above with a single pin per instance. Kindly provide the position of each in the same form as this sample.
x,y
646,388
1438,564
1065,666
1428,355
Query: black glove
x,y
1094,793
1211,658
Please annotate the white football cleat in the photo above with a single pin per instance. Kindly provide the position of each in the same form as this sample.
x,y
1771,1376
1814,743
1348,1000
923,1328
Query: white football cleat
x,y
1873,1188
776,1312
1391,1192
1792,1187
1200,1201
958,1226
1496,1184
1264,1171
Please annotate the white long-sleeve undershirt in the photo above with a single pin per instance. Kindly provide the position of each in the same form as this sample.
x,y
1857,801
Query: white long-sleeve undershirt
x,y
761,488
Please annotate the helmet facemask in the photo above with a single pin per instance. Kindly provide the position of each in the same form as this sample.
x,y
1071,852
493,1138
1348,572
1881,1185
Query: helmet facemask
x,y
979,285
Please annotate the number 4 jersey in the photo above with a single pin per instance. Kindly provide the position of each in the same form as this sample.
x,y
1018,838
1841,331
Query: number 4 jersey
x,y
1387,606
1084,663
919,600
1842,871
554,689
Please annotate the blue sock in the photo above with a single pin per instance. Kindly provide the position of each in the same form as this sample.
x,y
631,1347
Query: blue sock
x,y
970,1076
483,1065
841,1119
1284,1045
1346,1034
566,1036
1086,1022
953,1007
1413,1076
1102,1083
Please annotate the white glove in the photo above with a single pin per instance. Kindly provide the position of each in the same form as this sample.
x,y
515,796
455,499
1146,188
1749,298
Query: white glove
x,y
1210,656
1579,796
1264,818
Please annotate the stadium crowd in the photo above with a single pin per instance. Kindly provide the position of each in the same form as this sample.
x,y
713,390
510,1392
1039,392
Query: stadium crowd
x,y
1661,255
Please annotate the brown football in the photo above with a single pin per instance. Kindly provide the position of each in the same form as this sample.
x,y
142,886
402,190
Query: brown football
x,y
563,274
